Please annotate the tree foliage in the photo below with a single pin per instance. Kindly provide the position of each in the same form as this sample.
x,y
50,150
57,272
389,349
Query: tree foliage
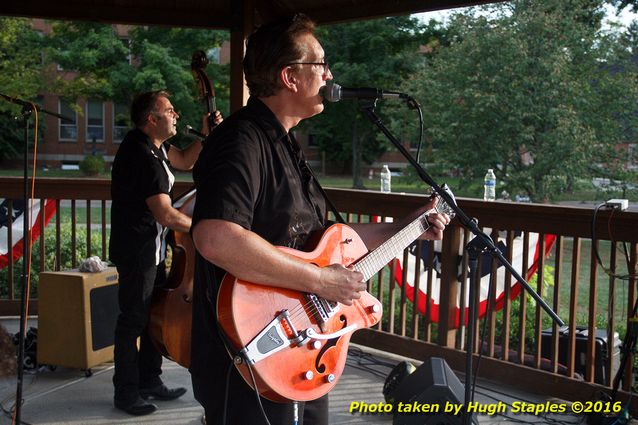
x,y
535,90
622,4
19,77
96,64
375,53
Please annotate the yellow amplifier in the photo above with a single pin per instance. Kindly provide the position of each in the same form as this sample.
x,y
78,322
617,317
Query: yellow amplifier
x,y
77,313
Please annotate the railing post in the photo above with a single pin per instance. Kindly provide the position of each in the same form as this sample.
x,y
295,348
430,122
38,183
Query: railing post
x,y
449,286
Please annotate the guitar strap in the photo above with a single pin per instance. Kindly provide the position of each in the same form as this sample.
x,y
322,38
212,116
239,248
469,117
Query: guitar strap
x,y
334,209
305,168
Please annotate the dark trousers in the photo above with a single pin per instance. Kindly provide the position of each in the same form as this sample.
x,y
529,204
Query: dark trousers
x,y
243,409
135,369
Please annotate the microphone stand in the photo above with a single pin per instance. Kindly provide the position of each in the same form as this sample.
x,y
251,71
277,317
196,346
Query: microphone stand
x,y
480,243
27,110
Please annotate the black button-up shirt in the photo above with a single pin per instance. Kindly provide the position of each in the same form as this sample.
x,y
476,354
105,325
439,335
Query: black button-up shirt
x,y
250,172
140,170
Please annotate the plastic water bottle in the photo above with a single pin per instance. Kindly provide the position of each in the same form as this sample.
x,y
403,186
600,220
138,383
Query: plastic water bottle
x,y
386,179
489,193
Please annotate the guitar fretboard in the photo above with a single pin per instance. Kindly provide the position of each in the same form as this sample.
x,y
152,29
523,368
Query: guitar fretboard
x,y
376,259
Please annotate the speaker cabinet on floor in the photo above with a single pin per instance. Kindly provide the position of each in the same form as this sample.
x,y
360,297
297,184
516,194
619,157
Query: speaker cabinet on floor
x,y
77,313
432,383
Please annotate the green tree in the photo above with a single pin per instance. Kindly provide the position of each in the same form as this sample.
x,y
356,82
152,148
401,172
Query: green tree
x,y
164,56
90,56
96,64
535,90
621,4
375,53
19,77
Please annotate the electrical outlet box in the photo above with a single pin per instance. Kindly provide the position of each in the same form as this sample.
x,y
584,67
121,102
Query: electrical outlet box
x,y
621,204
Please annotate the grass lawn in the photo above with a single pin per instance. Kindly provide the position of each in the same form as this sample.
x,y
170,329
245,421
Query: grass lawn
x,y
584,190
603,287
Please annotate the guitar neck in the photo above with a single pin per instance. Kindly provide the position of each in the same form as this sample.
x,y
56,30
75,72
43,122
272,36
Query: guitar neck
x,y
378,258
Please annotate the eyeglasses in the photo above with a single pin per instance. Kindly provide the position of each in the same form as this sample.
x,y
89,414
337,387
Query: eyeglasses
x,y
324,64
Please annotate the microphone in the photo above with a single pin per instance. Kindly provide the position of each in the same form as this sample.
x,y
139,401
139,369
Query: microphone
x,y
190,131
333,92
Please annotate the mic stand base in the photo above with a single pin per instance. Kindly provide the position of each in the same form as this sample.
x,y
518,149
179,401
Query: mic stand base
x,y
474,249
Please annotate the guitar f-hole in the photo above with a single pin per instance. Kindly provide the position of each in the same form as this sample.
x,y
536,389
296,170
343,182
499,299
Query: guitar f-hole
x,y
321,368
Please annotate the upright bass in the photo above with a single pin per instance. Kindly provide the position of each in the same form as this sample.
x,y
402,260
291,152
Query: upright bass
x,y
171,309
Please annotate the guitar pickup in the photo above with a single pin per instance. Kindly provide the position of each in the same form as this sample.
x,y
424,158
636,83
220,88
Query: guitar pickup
x,y
321,309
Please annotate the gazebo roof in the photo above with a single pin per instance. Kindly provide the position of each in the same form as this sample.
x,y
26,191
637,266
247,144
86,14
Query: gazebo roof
x,y
219,14
239,17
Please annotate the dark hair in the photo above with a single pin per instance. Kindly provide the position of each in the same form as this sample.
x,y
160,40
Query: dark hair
x,y
270,48
143,105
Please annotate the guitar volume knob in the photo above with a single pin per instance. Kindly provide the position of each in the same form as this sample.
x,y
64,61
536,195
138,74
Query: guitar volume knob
x,y
330,378
308,375
374,308
316,344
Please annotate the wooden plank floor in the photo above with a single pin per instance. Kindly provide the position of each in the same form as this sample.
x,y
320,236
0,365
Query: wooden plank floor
x,y
67,396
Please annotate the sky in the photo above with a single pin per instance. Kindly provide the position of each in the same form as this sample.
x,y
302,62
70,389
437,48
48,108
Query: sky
x,y
625,17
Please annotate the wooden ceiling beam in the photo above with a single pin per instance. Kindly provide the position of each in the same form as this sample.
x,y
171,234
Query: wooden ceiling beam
x,y
217,14
344,11
175,14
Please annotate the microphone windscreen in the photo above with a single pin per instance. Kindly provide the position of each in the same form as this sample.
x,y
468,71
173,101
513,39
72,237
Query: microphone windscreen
x,y
331,92
186,130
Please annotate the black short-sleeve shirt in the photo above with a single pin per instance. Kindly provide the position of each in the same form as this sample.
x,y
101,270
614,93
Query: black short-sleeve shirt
x,y
250,172
140,170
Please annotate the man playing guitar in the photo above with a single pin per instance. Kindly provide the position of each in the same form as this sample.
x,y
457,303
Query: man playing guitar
x,y
254,193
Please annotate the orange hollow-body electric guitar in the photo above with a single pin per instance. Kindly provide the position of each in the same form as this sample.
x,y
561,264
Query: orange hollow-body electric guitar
x,y
295,344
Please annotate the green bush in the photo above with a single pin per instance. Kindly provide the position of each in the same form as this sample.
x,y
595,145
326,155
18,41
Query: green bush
x,y
66,256
92,165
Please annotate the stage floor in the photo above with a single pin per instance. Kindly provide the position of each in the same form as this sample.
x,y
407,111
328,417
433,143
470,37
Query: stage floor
x,y
67,396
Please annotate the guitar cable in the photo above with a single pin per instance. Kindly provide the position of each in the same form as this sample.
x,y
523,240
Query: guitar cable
x,y
252,377
228,372
226,393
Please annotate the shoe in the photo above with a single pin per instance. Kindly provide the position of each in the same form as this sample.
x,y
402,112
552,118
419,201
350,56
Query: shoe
x,y
161,392
138,408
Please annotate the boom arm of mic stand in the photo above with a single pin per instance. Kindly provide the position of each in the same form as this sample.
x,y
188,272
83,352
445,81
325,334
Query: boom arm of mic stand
x,y
28,106
368,108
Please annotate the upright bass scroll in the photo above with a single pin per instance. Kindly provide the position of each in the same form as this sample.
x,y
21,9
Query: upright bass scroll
x,y
207,93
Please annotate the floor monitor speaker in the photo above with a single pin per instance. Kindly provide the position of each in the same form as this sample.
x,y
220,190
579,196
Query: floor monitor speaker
x,y
435,384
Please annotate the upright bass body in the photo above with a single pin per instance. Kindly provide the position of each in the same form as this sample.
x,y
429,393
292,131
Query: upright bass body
x,y
171,309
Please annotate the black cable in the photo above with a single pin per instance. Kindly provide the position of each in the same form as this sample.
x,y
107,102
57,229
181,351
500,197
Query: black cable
x,y
225,411
359,359
607,271
9,412
482,337
363,356
252,377
412,103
